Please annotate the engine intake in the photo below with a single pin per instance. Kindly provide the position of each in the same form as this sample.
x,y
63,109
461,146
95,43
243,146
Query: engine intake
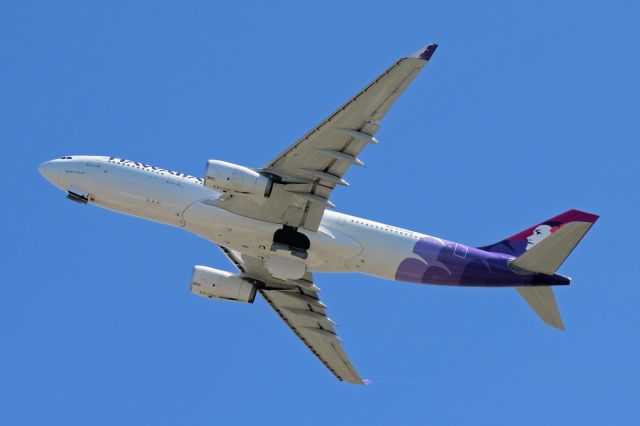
x,y
213,283
228,177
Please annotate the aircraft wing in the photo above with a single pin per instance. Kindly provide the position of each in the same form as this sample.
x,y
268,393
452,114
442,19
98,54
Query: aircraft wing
x,y
305,173
298,304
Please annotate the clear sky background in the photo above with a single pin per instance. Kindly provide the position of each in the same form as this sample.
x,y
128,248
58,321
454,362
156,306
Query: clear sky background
x,y
527,109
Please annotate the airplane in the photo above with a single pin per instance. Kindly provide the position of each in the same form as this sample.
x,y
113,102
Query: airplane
x,y
277,225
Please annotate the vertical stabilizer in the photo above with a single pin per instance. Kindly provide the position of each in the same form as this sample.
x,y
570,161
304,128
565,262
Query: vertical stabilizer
x,y
523,241
546,256
543,302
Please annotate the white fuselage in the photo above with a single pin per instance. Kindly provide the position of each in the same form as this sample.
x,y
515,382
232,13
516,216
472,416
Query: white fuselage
x,y
342,243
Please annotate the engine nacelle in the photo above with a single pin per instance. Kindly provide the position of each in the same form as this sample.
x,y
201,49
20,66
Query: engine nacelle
x,y
228,177
213,283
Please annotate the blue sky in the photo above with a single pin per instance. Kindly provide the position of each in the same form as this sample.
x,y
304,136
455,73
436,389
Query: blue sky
x,y
526,110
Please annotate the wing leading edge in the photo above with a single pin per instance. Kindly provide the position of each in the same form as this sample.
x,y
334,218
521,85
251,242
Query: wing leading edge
x,y
306,173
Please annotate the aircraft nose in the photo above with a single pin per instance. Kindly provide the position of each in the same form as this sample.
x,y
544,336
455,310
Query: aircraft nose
x,y
47,170
53,172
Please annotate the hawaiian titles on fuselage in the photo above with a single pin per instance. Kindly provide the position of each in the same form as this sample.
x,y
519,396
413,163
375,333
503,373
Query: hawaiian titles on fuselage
x,y
151,168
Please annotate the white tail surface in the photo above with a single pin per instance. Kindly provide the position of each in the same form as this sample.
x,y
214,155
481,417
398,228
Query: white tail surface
x,y
543,302
547,255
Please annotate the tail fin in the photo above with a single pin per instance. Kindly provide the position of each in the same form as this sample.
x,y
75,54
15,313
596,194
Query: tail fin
x,y
522,242
547,254
542,249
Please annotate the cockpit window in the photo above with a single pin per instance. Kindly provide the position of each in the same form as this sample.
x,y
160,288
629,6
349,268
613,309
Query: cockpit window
x,y
66,158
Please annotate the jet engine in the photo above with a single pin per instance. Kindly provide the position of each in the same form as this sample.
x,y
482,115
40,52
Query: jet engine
x,y
213,283
228,177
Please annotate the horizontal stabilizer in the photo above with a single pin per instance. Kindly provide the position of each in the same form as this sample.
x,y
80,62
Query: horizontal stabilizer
x,y
546,256
543,302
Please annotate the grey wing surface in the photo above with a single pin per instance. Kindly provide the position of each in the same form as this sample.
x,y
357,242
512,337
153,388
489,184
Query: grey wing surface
x,y
306,173
298,304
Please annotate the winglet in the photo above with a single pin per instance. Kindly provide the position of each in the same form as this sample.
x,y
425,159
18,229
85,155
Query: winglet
x,y
426,52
